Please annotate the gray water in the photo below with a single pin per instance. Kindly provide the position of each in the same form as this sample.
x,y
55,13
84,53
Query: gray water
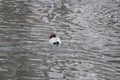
x,y
90,34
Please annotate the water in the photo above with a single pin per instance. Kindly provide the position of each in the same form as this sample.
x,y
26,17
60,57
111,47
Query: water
x,y
90,34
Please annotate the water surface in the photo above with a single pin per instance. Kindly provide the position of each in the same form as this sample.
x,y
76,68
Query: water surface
x,y
90,34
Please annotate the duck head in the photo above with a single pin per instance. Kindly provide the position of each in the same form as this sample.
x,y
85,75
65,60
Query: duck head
x,y
52,36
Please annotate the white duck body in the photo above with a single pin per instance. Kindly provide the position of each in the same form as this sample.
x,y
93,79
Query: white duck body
x,y
55,40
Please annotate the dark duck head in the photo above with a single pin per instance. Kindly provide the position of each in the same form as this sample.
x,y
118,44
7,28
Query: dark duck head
x,y
52,36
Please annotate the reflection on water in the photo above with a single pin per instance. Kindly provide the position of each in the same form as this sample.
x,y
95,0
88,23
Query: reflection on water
x,y
90,40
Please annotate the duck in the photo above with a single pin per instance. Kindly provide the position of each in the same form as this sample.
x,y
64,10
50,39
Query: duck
x,y
54,40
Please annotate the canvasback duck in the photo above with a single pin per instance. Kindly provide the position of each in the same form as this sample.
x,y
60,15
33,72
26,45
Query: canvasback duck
x,y
54,40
